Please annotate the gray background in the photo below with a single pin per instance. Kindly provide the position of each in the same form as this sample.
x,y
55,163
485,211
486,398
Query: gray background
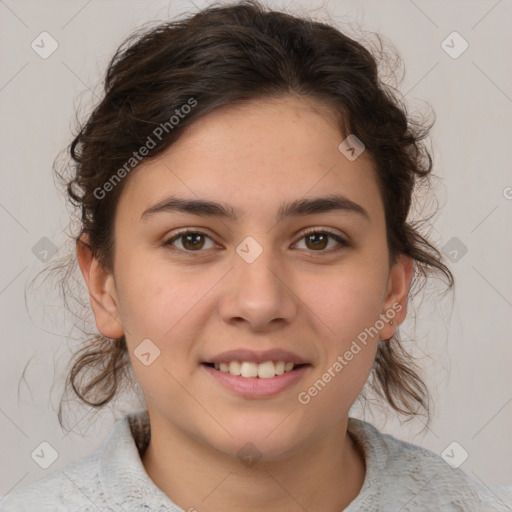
x,y
463,340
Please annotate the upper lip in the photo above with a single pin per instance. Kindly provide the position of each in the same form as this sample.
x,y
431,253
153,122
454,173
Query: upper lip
x,y
257,357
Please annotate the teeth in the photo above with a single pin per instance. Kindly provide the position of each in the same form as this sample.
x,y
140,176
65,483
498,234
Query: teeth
x,y
265,370
235,367
279,367
249,369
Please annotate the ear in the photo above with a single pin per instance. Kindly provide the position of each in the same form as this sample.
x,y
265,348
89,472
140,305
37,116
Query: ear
x,y
102,292
396,296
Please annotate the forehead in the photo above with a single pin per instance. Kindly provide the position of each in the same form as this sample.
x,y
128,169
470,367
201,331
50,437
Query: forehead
x,y
255,157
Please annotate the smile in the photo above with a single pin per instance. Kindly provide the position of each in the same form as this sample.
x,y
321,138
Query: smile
x,y
256,380
248,369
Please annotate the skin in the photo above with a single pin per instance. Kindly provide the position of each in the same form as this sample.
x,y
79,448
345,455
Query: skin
x,y
294,296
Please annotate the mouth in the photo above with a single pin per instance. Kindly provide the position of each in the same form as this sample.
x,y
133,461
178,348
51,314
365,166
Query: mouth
x,y
251,380
252,370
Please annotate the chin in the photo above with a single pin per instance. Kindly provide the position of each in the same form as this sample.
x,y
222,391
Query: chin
x,y
259,439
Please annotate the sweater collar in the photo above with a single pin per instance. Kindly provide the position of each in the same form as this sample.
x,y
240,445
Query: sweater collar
x,y
127,486
374,451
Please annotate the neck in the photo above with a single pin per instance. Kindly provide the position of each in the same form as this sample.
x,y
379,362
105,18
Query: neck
x,y
326,475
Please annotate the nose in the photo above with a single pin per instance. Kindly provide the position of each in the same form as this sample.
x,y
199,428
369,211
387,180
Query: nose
x,y
259,293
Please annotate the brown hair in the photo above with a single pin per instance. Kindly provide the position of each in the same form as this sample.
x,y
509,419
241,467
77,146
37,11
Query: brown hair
x,y
225,55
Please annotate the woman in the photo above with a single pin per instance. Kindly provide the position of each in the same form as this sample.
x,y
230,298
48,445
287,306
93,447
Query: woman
x,y
244,186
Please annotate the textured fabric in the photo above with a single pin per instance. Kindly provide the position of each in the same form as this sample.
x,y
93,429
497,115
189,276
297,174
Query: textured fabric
x,y
399,477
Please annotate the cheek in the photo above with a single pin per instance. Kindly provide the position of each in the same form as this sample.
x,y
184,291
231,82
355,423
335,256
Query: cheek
x,y
165,308
347,308
347,301
154,297
347,304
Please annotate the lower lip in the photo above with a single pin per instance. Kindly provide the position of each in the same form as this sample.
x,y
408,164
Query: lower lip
x,y
254,387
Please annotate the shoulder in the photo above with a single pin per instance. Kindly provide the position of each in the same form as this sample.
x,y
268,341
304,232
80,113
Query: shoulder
x,y
75,487
111,478
411,478
81,485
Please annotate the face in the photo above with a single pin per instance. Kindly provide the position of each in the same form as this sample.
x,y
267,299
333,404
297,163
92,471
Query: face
x,y
260,282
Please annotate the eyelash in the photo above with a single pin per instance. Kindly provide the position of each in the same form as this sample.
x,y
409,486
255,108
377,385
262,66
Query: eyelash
x,y
180,234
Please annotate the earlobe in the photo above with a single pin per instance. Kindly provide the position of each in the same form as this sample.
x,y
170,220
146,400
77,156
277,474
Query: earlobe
x,y
102,291
395,304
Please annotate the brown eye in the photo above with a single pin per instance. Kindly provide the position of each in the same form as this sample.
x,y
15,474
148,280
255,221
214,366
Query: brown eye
x,y
191,241
318,241
195,241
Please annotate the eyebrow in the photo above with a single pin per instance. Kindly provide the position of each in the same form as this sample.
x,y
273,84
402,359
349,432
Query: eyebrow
x,y
297,208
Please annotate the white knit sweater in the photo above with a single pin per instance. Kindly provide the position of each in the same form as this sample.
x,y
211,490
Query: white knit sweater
x,y
399,477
